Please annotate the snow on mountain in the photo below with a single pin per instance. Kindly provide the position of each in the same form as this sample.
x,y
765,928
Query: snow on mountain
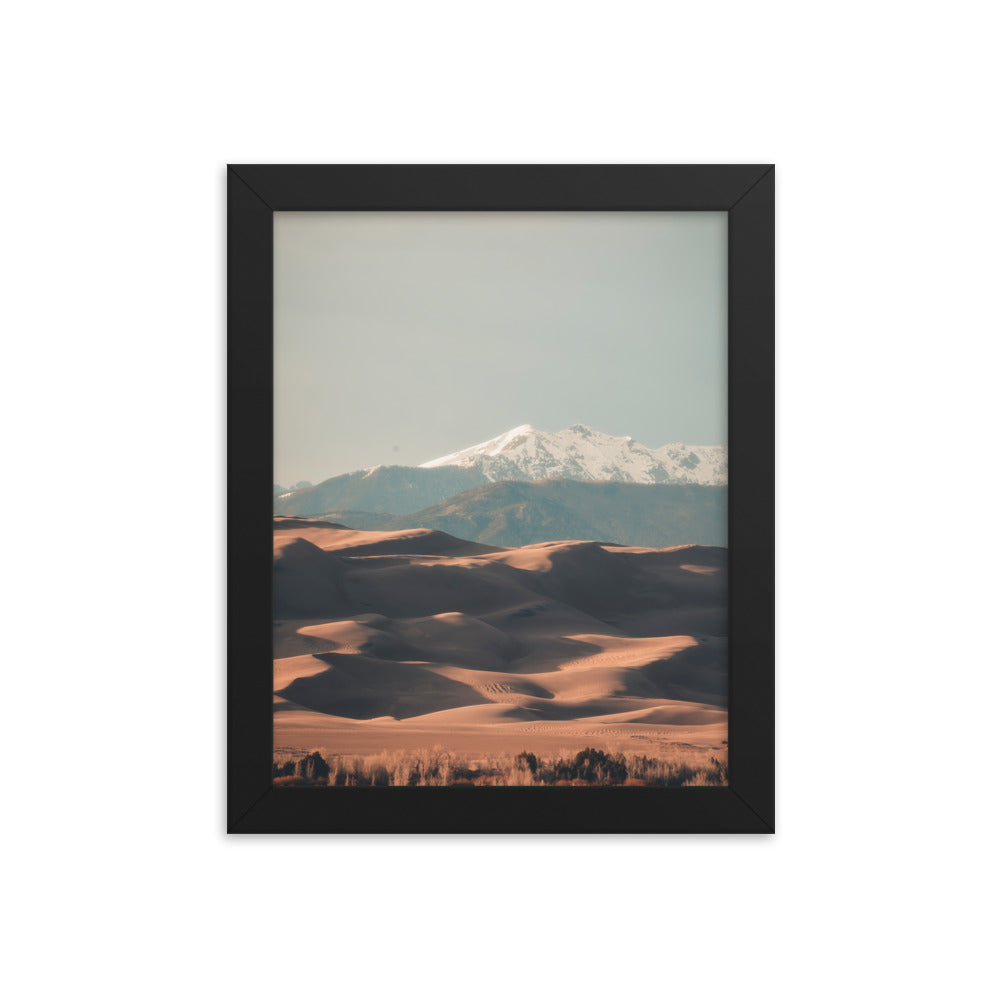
x,y
284,491
579,452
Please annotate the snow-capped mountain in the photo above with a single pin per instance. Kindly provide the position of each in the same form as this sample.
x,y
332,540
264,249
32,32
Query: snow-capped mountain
x,y
579,452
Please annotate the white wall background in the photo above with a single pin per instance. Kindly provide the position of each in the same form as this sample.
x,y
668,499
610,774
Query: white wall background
x,y
119,120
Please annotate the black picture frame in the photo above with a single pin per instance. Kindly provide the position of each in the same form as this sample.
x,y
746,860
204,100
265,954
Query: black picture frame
x,y
746,193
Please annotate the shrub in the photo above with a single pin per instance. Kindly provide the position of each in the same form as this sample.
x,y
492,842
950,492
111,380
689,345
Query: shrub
x,y
437,767
314,767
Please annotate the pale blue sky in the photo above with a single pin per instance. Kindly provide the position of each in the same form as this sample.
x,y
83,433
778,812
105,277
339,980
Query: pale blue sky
x,y
402,336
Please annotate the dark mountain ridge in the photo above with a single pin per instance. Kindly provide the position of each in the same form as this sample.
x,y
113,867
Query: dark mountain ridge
x,y
525,513
386,489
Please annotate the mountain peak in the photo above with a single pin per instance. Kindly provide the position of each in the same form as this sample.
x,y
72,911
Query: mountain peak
x,y
582,453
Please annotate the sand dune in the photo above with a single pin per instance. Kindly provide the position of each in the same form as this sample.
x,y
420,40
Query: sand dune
x,y
335,537
405,639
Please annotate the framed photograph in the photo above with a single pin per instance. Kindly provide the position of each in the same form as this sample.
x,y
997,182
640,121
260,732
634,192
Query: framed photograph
x,y
501,499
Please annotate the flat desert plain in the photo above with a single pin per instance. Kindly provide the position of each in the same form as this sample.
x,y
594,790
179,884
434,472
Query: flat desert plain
x,y
416,642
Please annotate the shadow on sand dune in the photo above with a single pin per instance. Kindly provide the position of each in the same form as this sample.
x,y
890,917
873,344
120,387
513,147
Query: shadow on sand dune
x,y
377,629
